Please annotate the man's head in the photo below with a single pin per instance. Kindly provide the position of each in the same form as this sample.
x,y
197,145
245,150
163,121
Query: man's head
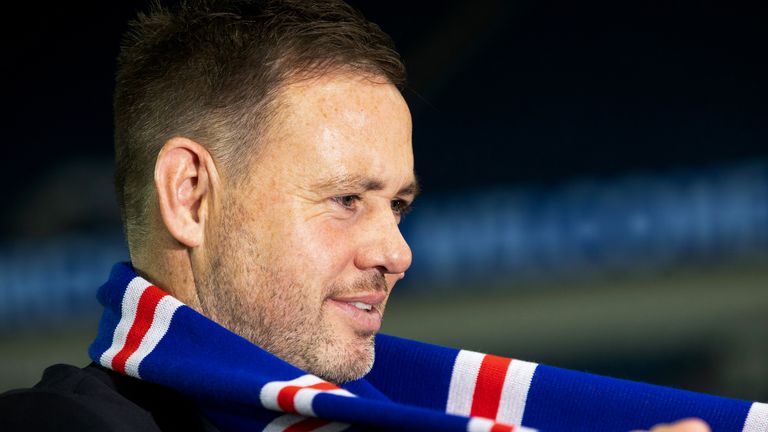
x,y
263,163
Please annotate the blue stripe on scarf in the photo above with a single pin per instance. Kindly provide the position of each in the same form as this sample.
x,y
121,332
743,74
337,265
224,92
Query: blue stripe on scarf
x,y
407,389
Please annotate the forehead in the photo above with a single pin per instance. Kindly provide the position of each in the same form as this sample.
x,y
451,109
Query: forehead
x,y
347,99
341,124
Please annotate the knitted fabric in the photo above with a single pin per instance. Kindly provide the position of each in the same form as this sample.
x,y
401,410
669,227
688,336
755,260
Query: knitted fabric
x,y
150,335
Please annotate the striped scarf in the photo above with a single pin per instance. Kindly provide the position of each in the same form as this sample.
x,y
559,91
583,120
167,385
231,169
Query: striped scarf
x,y
150,335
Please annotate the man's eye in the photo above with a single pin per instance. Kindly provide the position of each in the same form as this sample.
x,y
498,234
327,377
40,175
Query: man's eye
x,y
400,207
347,201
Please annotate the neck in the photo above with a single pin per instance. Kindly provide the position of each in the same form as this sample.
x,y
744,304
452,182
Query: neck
x,y
170,269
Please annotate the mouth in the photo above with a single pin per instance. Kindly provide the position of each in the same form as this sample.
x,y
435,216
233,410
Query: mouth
x,y
362,312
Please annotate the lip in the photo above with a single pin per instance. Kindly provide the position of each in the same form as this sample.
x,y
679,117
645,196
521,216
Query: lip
x,y
374,298
360,320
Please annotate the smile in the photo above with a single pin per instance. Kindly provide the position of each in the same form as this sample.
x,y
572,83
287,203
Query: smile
x,y
362,306
362,313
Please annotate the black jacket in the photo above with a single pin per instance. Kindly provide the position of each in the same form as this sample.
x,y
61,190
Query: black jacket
x,y
97,399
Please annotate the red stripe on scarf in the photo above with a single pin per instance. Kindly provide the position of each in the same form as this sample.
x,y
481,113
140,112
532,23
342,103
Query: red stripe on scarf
x,y
287,394
145,312
307,425
490,382
498,427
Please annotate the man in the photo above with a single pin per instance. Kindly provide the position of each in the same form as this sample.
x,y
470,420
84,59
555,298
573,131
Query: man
x,y
263,163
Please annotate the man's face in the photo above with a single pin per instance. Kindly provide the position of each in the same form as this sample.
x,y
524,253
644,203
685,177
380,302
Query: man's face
x,y
303,255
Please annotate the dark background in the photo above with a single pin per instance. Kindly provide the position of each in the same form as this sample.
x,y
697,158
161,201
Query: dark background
x,y
506,95
502,92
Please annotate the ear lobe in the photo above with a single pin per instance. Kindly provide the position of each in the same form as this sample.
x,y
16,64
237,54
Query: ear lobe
x,y
183,188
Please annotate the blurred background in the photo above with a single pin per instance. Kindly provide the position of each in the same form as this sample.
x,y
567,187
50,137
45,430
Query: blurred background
x,y
595,180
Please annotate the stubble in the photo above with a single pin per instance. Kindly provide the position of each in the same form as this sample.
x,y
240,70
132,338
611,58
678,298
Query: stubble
x,y
247,291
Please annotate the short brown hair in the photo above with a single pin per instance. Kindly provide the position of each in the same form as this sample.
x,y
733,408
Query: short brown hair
x,y
208,70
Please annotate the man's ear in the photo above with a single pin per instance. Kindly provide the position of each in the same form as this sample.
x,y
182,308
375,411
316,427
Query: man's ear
x,y
184,176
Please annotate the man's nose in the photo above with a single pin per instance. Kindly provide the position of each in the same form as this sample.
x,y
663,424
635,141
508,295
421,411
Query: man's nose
x,y
384,247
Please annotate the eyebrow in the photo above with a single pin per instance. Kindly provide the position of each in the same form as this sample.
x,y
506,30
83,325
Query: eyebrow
x,y
364,184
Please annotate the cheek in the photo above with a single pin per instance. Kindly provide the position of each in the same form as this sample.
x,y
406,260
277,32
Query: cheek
x,y
326,247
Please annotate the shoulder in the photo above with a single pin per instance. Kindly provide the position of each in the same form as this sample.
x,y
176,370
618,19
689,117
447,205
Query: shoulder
x,y
95,399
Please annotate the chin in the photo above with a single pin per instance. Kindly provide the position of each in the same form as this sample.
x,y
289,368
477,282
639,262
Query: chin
x,y
345,361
